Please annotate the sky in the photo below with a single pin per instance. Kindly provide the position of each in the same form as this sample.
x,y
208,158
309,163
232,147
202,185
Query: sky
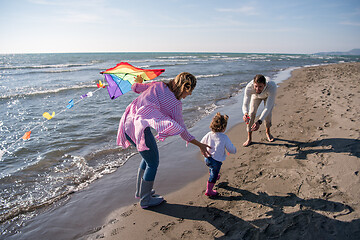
x,y
239,26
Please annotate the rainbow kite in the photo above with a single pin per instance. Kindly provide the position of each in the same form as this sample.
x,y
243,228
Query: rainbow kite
x,y
123,75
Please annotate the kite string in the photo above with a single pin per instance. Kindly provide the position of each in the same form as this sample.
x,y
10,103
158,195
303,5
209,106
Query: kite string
x,y
6,150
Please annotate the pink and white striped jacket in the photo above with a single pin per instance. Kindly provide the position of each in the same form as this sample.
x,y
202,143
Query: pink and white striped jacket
x,y
156,107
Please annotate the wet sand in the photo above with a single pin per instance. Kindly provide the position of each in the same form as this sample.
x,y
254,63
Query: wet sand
x,y
304,185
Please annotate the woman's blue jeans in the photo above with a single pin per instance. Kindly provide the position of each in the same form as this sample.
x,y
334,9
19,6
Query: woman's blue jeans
x,y
214,168
150,158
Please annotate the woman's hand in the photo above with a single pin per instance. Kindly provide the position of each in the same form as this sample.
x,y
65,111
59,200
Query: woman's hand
x,y
139,79
203,147
204,150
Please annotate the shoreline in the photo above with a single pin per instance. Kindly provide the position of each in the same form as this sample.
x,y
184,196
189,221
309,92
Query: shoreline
x,y
296,186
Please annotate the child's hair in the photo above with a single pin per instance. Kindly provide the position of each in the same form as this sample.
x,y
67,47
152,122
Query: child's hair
x,y
183,82
219,122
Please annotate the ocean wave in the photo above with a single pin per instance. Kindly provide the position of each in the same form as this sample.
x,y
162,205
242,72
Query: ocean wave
x,y
194,114
197,76
218,56
69,65
173,61
40,196
177,57
167,65
209,75
155,60
39,71
153,64
34,92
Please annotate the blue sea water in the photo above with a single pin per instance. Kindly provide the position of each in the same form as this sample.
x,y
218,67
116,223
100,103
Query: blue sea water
x,y
77,146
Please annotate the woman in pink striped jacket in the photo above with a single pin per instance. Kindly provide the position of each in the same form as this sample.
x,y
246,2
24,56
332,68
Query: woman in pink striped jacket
x,y
158,106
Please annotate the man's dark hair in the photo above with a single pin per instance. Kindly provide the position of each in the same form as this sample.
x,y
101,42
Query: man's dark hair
x,y
260,79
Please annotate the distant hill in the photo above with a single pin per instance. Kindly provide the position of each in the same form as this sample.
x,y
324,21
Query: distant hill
x,y
355,51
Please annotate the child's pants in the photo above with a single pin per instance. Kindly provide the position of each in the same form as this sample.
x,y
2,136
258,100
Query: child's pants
x,y
214,168
150,161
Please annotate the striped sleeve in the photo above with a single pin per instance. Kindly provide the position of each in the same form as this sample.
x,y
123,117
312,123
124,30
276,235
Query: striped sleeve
x,y
179,119
140,87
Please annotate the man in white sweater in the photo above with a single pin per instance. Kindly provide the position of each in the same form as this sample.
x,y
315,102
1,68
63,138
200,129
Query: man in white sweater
x,y
256,91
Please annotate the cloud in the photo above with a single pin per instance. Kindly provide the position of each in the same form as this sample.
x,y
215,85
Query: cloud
x,y
82,11
244,10
356,24
70,3
42,2
80,17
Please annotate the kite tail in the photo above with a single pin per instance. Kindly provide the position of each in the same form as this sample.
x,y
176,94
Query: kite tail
x,y
6,150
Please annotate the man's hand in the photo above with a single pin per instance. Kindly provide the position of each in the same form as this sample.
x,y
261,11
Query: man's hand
x,y
255,126
246,118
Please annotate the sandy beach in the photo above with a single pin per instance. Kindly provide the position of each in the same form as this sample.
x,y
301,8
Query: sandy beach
x,y
304,185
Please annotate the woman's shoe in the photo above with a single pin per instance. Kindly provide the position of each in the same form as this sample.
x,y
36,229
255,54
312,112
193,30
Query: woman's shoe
x,y
147,200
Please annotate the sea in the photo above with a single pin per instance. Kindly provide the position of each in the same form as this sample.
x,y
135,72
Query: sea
x,y
76,147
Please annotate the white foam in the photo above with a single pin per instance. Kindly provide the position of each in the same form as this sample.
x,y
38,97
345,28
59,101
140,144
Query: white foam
x,y
209,75
283,75
1,154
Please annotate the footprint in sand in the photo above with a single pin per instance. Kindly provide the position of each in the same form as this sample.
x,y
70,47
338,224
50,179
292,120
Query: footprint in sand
x,y
153,225
116,231
200,228
186,234
127,213
167,227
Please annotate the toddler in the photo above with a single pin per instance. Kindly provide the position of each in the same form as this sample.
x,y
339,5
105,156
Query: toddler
x,y
218,142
